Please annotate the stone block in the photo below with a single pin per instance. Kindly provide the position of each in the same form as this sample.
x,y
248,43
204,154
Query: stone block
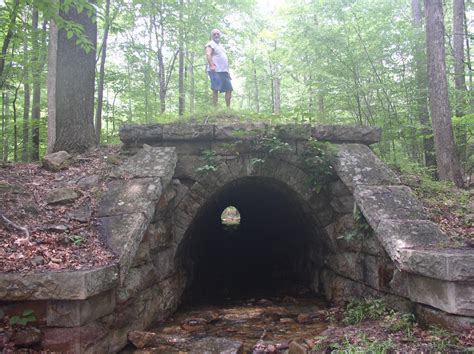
x,y
372,246
137,279
148,162
347,264
357,165
340,290
143,252
188,131
445,264
91,338
164,262
338,189
399,283
131,196
123,234
378,272
75,313
428,316
452,297
64,285
287,132
379,203
343,204
239,131
190,148
347,134
139,134
186,167
397,235
217,345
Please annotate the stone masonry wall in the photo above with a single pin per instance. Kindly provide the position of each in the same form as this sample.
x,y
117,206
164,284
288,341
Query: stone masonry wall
x,y
157,193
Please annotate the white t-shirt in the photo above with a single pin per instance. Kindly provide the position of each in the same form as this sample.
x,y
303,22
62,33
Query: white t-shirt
x,y
219,57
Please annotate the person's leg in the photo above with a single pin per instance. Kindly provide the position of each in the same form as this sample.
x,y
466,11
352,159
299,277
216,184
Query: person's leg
x,y
228,96
215,98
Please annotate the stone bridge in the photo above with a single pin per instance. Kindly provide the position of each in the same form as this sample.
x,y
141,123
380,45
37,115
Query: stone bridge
x,y
162,217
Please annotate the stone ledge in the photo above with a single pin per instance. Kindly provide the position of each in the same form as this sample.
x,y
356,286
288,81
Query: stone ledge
x,y
123,234
379,203
357,165
347,134
397,235
135,134
67,285
452,297
445,264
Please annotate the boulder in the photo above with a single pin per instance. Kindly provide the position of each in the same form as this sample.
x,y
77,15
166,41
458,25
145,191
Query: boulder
x,y
217,345
61,196
56,161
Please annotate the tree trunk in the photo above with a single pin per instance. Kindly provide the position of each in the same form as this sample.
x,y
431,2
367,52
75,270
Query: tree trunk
x,y
276,95
71,77
458,47
100,87
6,41
469,63
191,83
15,128
181,60
37,65
26,107
446,159
421,82
256,94
5,118
459,74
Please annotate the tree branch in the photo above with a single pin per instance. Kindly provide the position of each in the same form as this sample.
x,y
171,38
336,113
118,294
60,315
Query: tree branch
x,y
10,224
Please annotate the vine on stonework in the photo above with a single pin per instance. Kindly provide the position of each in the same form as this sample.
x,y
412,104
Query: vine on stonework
x,y
318,158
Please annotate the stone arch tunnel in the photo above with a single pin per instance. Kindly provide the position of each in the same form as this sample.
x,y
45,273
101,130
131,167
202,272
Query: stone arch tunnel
x,y
277,247
161,217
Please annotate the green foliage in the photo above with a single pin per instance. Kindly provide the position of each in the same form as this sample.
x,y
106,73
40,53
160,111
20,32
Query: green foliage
x,y
211,161
318,158
273,145
77,240
397,321
441,338
359,310
365,345
361,226
26,317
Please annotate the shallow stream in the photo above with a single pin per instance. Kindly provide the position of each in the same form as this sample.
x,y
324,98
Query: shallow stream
x,y
260,324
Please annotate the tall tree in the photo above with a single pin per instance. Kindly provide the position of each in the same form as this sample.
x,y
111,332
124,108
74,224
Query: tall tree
x,y
458,51
421,84
26,106
181,60
100,87
71,77
37,65
446,158
7,39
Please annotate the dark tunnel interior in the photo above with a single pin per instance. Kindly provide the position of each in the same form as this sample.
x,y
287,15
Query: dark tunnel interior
x,y
274,250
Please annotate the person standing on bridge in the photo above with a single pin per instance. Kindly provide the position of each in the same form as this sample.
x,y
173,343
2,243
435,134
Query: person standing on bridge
x,y
218,68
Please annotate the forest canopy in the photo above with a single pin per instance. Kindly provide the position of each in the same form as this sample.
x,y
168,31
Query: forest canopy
x,y
320,62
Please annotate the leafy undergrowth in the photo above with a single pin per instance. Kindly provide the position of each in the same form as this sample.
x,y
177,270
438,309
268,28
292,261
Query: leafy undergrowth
x,y
451,208
370,326
56,239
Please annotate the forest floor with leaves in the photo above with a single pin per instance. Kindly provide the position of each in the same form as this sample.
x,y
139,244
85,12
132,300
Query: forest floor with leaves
x,y
56,239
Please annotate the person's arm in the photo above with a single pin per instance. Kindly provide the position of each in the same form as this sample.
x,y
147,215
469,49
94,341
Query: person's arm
x,y
212,66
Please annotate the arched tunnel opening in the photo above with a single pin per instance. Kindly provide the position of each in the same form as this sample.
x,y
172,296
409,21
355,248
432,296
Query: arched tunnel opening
x,y
274,249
